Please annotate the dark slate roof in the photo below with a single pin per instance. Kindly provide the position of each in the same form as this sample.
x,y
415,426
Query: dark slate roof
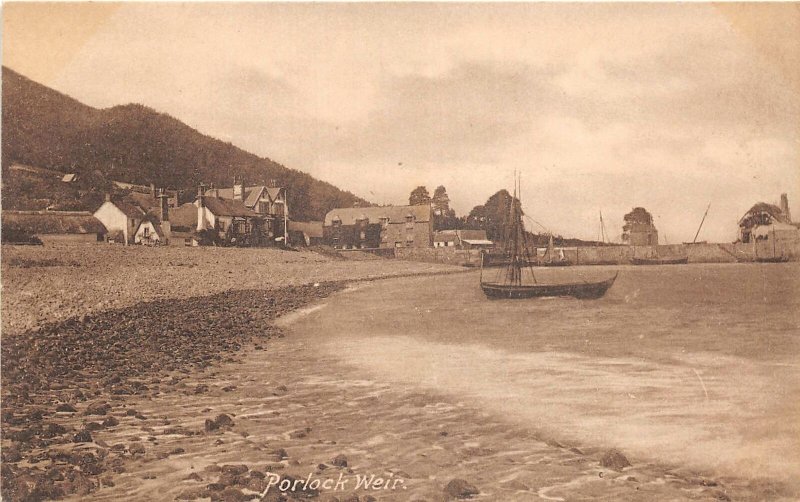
x,y
251,193
395,214
229,207
184,215
53,222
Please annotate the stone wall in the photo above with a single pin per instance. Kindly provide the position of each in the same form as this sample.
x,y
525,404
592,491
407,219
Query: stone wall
x,y
697,253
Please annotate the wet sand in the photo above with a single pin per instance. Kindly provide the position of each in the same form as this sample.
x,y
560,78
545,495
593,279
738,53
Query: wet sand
x,y
307,399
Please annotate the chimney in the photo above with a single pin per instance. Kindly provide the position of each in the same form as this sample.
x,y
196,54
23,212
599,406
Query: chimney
x,y
238,188
785,207
108,197
166,226
163,199
201,204
272,183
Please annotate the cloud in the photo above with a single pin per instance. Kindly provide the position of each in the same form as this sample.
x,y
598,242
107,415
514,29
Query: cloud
x,y
601,106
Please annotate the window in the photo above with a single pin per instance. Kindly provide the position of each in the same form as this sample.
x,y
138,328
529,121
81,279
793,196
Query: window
x,y
336,222
384,222
147,231
409,221
222,225
363,235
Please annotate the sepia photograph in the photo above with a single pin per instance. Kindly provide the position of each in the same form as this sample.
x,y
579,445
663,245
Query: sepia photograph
x,y
400,251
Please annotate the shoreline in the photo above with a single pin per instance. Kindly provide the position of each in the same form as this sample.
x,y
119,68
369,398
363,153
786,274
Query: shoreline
x,y
237,409
66,381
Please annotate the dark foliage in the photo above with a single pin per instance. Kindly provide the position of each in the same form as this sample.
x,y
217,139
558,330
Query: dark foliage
x,y
133,143
419,196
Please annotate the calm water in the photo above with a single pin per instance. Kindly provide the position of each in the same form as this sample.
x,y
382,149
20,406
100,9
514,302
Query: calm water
x,y
694,365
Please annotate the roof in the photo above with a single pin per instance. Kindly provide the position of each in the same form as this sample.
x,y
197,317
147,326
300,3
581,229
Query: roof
x,y
395,214
459,235
445,236
251,193
771,209
130,210
478,242
53,222
145,201
228,207
184,215
310,228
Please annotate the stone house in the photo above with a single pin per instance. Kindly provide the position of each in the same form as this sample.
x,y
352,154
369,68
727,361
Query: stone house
x,y
379,227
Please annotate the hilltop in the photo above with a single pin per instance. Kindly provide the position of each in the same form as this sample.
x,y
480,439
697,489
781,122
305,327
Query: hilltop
x,y
43,127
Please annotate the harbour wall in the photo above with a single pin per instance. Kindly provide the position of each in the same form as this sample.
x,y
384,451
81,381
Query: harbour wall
x,y
696,253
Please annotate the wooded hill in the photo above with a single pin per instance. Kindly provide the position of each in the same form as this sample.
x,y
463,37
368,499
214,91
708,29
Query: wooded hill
x,y
133,143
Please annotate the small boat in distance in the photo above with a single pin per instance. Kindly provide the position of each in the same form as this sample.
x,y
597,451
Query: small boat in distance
x,y
512,285
660,261
560,261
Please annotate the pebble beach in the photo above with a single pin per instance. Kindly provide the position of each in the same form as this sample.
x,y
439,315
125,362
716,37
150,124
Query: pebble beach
x,y
174,374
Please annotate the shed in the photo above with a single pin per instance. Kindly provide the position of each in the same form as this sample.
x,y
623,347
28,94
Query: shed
x,y
54,226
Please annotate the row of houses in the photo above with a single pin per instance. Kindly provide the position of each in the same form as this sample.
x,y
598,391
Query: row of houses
x,y
258,215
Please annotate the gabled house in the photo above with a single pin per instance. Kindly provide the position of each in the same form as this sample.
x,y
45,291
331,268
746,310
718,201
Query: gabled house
x,y
269,201
136,218
766,221
228,221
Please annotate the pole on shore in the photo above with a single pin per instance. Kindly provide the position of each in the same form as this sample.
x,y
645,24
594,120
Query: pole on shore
x,y
701,223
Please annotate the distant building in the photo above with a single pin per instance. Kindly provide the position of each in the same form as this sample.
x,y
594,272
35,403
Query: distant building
x,y
766,221
70,178
305,233
642,234
270,201
379,227
52,226
462,239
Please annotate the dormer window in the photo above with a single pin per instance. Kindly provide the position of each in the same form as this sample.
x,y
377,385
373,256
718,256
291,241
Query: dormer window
x,y
337,222
384,222
410,221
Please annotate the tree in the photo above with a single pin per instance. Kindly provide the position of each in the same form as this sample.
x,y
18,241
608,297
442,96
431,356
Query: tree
x,y
494,215
638,218
444,218
419,197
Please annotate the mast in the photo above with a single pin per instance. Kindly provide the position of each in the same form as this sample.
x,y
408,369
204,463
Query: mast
x,y
602,228
701,223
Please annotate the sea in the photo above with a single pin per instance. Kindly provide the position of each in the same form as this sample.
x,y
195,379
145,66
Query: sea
x,y
696,365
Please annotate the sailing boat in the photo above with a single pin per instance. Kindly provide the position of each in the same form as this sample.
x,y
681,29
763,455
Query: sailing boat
x,y
561,261
512,286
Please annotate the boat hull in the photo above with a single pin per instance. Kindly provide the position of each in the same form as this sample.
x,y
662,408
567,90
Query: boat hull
x,y
660,261
773,259
582,290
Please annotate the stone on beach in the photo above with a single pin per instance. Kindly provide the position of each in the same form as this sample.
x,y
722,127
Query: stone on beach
x,y
614,459
460,489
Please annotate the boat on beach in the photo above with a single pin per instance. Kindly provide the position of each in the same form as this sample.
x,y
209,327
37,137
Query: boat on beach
x,y
660,261
510,283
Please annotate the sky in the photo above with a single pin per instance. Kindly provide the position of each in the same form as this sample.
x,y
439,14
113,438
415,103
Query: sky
x,y
599,107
